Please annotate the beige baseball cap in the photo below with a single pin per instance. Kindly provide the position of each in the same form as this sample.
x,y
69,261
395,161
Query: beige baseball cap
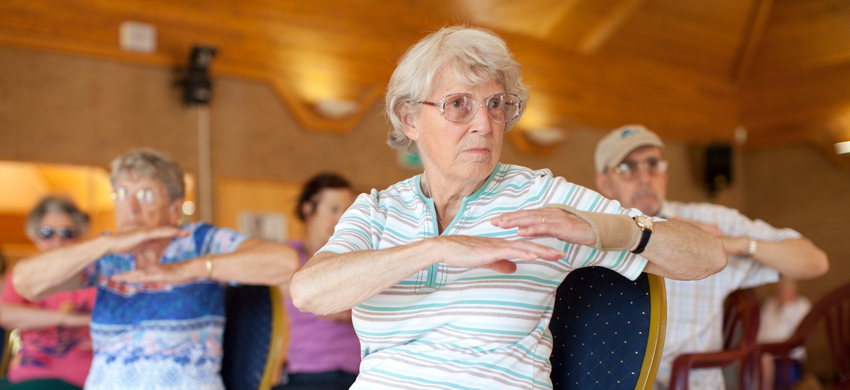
x,y
620,142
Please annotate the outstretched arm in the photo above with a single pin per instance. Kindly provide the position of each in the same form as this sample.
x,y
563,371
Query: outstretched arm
x,y
26,318
253,262
676,250
797,258
61,269
330,283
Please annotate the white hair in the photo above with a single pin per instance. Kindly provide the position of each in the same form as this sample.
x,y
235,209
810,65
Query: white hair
x,y
152,164
472,56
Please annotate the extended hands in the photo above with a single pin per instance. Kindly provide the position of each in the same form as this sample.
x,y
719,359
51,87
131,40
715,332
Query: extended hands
x,y
733,246
150,243
548,222
492,253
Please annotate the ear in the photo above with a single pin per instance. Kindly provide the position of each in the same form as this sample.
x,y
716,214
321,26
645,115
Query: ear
x,y
409,120
603,183
307,210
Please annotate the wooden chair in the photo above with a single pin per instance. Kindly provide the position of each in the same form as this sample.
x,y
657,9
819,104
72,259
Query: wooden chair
x,y
740,328
253,337
834,311
608,331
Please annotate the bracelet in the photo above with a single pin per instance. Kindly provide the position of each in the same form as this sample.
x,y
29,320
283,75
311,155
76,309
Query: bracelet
x,y
752,246
209,266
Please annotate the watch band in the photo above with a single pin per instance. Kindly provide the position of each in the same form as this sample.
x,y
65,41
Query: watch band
x,y
644,239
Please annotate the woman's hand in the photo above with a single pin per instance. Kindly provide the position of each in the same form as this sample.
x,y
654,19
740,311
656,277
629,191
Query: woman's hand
x,y
548,222
143,239
492,253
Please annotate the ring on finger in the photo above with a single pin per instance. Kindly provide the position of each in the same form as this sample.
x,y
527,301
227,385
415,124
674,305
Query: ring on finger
x,y
542,219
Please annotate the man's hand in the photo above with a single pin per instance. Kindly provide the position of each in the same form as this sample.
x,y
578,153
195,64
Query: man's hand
x,y
548,222
165,273
734,246
713,229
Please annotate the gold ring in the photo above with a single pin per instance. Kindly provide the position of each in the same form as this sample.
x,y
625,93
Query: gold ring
x,y
543,219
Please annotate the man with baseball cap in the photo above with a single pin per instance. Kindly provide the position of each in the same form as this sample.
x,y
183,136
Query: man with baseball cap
x,y
630,168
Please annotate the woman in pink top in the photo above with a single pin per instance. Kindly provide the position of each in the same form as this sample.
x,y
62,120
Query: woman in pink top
x,y
324,351
55,344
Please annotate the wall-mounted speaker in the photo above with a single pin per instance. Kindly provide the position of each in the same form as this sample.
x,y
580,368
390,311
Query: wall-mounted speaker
x,y
197,84
718,167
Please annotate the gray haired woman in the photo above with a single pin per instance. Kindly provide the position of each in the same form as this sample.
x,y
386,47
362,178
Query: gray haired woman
x,y
451,274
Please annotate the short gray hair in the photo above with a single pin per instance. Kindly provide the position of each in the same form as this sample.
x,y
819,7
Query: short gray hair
x,y
151,164
55,204
472,55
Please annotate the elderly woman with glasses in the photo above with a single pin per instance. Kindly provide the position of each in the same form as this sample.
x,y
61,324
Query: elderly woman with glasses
x,y
159,318
55,344
451,274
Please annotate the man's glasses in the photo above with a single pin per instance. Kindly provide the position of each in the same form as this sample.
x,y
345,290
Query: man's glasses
x,y
630,170
460,107
144,196
46,232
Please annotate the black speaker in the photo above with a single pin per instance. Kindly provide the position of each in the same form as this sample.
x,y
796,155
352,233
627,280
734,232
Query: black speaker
x,y
197,84
718,167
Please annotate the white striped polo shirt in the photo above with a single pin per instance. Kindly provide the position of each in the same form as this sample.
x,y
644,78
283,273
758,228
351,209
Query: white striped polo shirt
x,y
449,327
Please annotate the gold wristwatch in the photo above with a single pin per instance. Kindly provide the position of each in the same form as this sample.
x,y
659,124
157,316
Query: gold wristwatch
x,y
645,224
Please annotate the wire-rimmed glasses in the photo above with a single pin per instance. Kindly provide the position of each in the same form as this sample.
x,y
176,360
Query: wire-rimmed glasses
x,y
460,107
629,169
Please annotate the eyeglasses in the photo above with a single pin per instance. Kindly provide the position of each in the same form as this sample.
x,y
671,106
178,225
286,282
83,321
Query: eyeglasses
x,y
144,196
629,170
460,108
46,232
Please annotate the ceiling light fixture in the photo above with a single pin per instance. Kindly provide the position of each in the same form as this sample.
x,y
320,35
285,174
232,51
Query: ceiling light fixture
x,y
842,147
336,108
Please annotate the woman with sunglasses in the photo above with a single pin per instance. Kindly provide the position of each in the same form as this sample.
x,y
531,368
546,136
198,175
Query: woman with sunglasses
x,y
451,274
55,344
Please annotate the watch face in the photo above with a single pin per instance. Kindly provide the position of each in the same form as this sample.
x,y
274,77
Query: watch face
x,y
643,222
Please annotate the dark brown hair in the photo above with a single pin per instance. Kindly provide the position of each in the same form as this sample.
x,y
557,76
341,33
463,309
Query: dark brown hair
x,y
315,186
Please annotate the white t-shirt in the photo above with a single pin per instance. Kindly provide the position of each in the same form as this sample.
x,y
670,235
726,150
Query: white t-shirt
x,y
778,323
449,327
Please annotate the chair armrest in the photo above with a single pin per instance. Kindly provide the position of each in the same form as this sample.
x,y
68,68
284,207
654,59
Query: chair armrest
x,y
684,363
781,349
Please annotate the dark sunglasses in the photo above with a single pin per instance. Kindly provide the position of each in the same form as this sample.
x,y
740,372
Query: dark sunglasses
x,y
45,232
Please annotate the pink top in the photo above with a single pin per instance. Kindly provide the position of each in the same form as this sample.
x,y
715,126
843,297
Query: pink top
x,y
59,352
319,345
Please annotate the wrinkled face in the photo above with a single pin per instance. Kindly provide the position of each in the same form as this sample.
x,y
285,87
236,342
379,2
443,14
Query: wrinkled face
x,y
53,223
643,191
330,204
143,203
457,151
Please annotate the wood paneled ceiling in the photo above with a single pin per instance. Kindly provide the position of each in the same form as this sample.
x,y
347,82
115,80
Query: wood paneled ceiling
x,y
692,70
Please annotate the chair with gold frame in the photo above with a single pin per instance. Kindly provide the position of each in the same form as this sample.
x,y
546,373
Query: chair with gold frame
x,y
11,346
253,337
608,331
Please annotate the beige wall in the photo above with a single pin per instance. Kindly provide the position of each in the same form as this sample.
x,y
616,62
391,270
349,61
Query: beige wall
x,y
74,109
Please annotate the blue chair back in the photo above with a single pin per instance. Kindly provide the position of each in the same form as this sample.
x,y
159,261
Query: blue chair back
x,y
608,331
252,337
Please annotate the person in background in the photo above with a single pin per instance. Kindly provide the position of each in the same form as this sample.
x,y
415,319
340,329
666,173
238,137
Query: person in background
x,y
158,321
324,352
452,274
630,168
55,344
780,316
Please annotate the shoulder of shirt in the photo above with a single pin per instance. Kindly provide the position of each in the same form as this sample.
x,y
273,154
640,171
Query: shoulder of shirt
x,y
402,191
677,207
